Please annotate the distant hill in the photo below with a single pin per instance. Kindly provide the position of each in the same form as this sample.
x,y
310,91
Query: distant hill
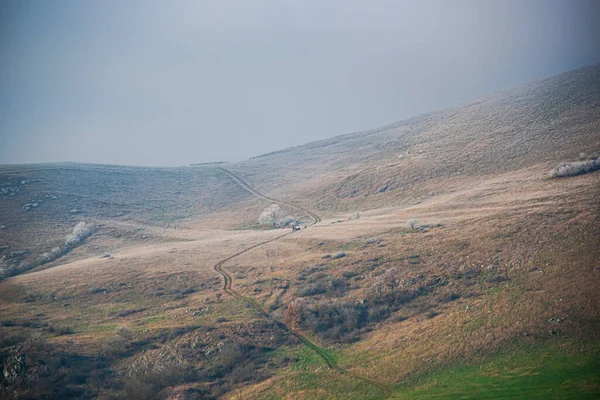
x,y
41,203
537,124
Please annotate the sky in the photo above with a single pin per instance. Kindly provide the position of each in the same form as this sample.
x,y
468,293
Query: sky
x,y
165,83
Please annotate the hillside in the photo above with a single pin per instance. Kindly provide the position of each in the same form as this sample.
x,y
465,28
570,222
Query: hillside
x,y
41,204
533,125
438,258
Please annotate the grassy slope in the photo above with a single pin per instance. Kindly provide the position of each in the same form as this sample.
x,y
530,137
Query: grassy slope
x,y
555,279
560,370
540,123
522,132
133,205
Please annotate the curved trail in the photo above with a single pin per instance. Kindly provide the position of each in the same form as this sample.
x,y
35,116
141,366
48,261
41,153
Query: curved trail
x,y
255,192
228,281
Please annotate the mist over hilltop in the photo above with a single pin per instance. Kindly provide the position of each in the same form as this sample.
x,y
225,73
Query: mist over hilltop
x,y
142,83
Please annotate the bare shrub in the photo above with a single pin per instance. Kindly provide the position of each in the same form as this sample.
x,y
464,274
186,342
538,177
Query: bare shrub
x,y
575,168
231,353
271,216
344,319
349,274
125,313
335,286
124,332
76,237
244,373
50,255
79,234
119,344
341,254
312,289
448,296
59,330
412,224
335,320
288,221
293,314
152,371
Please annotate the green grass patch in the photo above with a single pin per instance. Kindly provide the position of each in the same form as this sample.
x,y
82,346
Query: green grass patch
x,y
351,246
551,371
309,376
97,328
475,324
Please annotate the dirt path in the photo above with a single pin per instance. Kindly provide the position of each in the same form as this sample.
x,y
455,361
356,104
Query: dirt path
x,y
385,389
249,188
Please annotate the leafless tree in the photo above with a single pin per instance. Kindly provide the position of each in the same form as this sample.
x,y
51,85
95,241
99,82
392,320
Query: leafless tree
x,y
271,216
575,168
412,224
293,314
80,232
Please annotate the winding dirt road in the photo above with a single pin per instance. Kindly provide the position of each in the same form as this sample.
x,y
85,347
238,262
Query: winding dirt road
x,y
385,389
255,192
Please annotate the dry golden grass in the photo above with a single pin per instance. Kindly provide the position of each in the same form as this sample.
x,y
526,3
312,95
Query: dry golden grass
x,y
544,233
518,220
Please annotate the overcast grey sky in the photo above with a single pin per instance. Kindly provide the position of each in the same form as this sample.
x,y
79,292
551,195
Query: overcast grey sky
x,y
179,82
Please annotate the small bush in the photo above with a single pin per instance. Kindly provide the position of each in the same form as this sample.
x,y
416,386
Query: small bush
x,y
51,255
341,254
288,221
432,314
124,332
244,373
79,234
118,345
76,237
349,274
126,313
412,224
575,168
188,291
179,294
12,339
448,296
60,330
312,289
272,216
372,241
65,330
